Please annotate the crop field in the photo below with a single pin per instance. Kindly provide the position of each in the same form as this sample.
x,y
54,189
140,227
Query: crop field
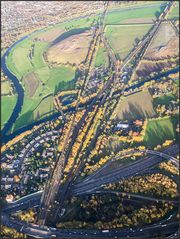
x,y
174,14
136,14
118,40
101,57
26,62
73,49
165,43
6,87
159,130
37,78
147,67
31,83
7,106
133,107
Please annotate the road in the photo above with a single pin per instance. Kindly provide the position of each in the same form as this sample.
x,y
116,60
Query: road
x,y
54,185
34,144
91,184
37,231
119,68
33,200
126,171
130,195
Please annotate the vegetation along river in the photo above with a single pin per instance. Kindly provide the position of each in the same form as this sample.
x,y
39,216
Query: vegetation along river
x,y
20,97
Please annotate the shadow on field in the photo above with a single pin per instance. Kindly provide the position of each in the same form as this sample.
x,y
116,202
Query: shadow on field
x,y
136,112
68,34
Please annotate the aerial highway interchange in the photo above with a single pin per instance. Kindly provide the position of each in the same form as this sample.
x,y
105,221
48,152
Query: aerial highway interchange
x,y
64,183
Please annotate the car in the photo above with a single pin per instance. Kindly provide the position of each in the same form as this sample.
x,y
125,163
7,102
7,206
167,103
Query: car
x,y
164,225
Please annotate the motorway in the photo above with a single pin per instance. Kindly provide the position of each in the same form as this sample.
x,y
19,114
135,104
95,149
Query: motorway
x,y
127,171
53,187
37,231
119,69
91,185
33,200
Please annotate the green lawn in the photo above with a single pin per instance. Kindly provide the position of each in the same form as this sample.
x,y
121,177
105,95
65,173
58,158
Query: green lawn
x,y
37,59
52,77
141,13
122,38
7,106
174,14
101,57
45,107
159,130
60,74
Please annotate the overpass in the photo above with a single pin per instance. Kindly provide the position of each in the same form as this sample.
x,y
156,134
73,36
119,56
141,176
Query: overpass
x,y
126,171
33,200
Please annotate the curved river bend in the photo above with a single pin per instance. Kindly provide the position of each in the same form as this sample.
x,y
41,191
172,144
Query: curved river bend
x,y
5,137
19,89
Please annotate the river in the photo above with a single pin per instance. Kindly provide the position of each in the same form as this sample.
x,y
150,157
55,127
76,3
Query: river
x,y
6,138
20,91
20,95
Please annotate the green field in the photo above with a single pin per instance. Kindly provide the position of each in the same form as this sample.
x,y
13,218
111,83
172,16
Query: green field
x,y
40,81
7,106
134,14
174,14
45,104
164,100
37,78
18,61
122,38
101,57
159,130
33,110
37,59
